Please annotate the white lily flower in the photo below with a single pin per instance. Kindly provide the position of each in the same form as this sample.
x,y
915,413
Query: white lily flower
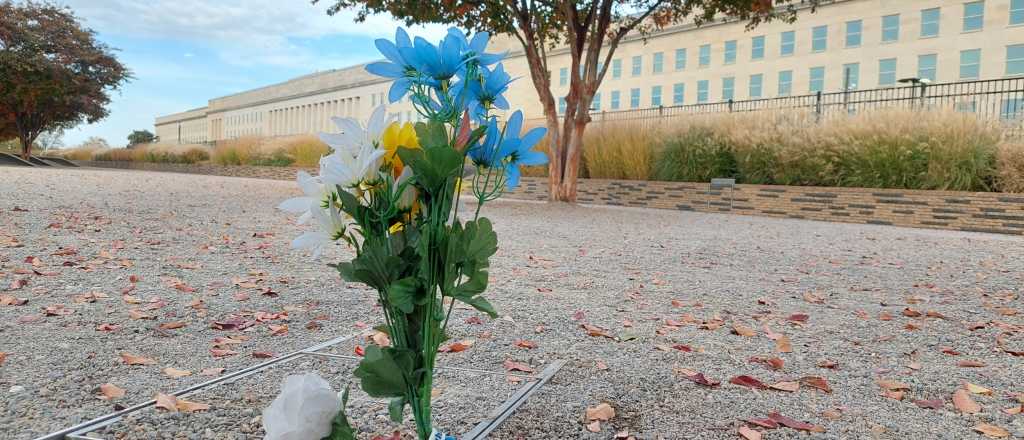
x,y
349,170
303,410
315,193
353,136
330,227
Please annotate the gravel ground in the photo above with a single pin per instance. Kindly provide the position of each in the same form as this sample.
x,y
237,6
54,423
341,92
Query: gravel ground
x,y
113,248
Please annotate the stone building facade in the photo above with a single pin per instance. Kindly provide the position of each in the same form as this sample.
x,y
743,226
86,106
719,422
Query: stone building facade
x,y
844,45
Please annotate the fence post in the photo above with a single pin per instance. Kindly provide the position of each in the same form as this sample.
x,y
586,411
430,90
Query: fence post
x,y
817,106
730,105
924,89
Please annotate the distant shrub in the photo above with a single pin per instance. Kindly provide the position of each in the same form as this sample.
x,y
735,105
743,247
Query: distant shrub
x,y
698,154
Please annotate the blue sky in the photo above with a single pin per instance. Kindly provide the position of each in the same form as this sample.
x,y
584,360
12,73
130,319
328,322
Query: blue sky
x,y
184,52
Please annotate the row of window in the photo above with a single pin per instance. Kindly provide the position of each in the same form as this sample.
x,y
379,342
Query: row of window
x,y
973,20
927,66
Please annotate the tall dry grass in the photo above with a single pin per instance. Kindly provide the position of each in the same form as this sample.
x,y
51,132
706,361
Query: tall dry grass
x,y
302,151
882,149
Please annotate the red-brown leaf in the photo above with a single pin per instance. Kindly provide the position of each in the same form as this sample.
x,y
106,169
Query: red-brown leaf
x,y
748,381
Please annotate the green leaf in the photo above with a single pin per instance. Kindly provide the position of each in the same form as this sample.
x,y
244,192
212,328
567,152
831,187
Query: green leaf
x,y
475,285
349,204
383,371
480,303
431,134
403,294
433,166
395,409
374,266
341,429
479,241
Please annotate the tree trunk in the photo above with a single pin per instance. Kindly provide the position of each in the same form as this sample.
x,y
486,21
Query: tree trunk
x,y
26,147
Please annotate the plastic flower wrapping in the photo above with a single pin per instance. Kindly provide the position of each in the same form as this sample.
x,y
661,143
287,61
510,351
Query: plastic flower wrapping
x,y
391,192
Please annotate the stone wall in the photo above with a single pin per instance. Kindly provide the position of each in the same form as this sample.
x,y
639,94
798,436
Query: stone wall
x,y
966,211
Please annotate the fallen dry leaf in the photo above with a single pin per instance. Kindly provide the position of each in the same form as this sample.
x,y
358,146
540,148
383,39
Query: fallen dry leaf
x,y
211,371
816,382
970,364
748,433
523,343
176,373
173,325
743,331
930,404
166,402
111,391
964,403
131,359
456,346
511,365
602,412
794,424
791,387
782,344
748,381
977,389
698,378
892,385
992,431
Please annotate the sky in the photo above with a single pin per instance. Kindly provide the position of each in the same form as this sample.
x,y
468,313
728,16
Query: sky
x,y
184,52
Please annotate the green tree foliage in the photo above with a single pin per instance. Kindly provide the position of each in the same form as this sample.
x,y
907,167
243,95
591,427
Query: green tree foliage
x,y
140,137
591,30
53,72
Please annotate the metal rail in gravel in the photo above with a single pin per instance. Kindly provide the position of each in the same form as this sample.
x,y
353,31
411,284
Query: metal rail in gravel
x,y
78,431
479,432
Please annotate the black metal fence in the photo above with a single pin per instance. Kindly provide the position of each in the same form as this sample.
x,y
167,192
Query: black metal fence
x,y
999,100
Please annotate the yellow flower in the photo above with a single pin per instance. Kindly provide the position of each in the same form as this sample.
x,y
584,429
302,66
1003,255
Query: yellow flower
x,y
398,135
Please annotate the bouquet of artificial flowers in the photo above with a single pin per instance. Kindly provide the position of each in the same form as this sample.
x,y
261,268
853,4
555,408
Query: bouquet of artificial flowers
x,y
391,192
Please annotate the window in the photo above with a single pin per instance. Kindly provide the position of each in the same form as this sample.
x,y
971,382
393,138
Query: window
x,y
634,98
785,83
819,38
563,76
656,96
817,79
974,16
851,76
930,22
680,59
891,28
970,64
705,56
730,52
1015,60
1012,108
616,68
853,32
1016,12
926,65
756,84
615,99
728,88
757,48
638,65
887,72
702,91
596,103
788,43
678,89
658,62
561,105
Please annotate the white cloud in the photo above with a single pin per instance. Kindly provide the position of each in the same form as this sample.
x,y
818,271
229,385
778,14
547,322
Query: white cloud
x,y
241,32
